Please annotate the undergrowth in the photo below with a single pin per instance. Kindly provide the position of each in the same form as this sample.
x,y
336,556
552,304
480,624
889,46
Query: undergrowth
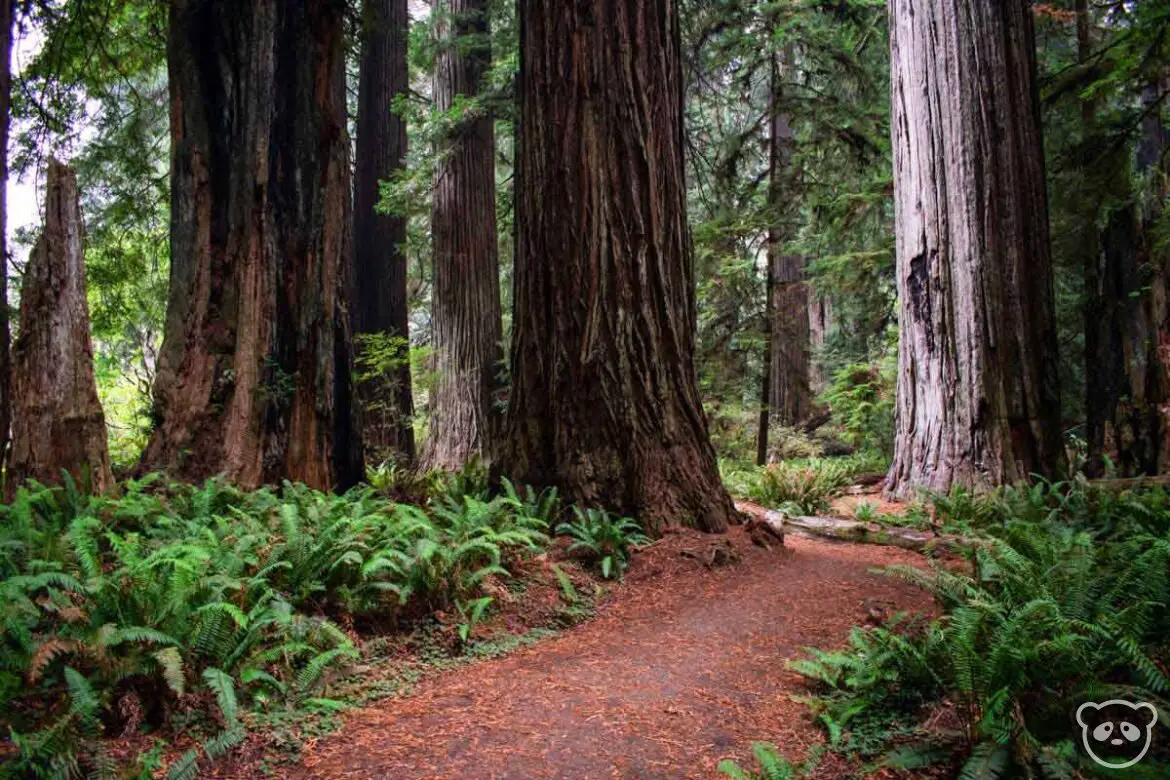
x,y
1062,601
800,487
206,604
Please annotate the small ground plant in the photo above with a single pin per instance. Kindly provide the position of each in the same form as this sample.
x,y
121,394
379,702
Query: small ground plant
x,y
603,539
772,765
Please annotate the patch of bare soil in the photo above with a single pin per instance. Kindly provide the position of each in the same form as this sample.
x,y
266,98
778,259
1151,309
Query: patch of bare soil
x,y
683,666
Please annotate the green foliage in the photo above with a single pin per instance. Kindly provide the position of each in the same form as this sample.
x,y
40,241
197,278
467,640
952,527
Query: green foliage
x,y
773,766
865,512
471,614
861,399
1058,608
221,595
803,489
603,539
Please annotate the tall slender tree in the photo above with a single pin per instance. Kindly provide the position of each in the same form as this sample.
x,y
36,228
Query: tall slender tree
x,y
1127,339
380,305
254,373
467,322
604,401
978,398
787,399
6,24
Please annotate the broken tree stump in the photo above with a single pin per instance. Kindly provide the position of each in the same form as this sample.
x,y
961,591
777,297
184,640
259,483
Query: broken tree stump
x,y
57,419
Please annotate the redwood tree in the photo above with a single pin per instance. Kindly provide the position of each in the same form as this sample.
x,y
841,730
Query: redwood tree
x,y
466,320
254,373
604,402
788,399
59,424
978,399
6,20
1127,320
379,277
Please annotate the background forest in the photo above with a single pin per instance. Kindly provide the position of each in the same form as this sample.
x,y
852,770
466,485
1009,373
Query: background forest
x,y
816,75
364,408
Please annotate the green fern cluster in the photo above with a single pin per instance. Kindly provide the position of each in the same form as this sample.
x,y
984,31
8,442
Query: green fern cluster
x,y
804,488
773,766
603,538
1100,510
1050,615
171,592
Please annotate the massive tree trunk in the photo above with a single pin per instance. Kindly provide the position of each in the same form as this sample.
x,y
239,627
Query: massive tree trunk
x,y
466,324
6,20
58,421
978,395
380,299
254,374
604,400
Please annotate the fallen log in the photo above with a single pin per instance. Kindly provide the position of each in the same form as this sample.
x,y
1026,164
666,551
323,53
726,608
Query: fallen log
x,y
853,530
1131,483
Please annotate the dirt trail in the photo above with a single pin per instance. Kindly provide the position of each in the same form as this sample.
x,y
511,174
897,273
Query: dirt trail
x,y
683,669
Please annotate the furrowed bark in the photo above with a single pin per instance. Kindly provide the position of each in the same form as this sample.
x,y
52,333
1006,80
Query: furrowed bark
x,y
380,296
467,323
58,423
254,374
786,396
604,401
790,399
978,396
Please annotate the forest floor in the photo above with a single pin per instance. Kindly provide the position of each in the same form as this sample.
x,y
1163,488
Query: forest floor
x,y
682,666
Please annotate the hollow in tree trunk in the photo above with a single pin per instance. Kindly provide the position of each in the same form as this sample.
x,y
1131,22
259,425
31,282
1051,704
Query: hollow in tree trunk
x,y
58,423
380,307
466,322
604,401
254,373
978,396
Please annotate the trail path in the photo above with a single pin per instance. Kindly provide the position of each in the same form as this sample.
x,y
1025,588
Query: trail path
x,y
684,668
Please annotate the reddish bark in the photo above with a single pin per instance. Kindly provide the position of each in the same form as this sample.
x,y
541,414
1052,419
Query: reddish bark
x,y
604,401
380,304
254,374
466,322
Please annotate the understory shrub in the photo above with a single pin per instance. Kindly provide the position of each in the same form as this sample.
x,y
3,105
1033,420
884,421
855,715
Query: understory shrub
x,y
604,539
861,399
115,607
1064,602
802,487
